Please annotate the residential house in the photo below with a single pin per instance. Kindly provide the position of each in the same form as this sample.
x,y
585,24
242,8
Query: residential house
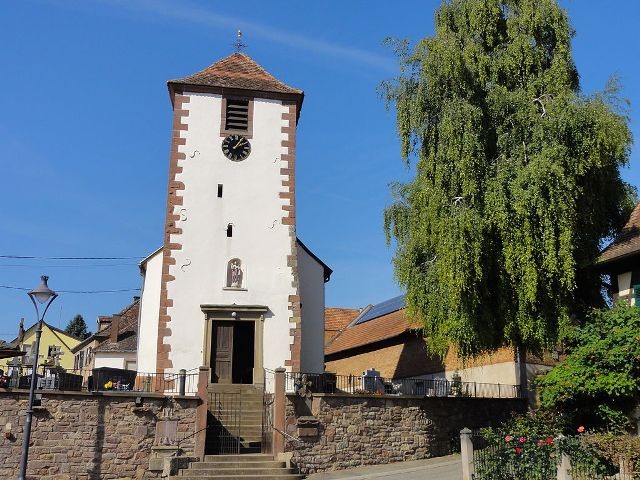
x,y
113,345
621,261
55,348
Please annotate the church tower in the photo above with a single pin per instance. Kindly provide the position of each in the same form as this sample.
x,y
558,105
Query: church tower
x,y
231,272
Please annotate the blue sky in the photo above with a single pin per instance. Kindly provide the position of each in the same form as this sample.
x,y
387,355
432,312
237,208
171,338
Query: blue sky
x,y
84,134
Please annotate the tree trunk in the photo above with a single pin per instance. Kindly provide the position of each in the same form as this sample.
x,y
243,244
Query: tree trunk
x,y
521,356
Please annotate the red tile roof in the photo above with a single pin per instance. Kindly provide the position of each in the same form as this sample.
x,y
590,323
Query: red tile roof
x,y
372,331
237,71
336,319
127,340
627,243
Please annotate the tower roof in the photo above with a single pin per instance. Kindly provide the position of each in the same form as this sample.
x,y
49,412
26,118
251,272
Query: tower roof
x,y
627,243
237,71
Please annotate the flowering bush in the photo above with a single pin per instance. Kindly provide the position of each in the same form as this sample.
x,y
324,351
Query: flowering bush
x,y
529,447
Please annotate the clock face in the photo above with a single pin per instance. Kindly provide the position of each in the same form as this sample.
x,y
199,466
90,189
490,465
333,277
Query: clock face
x,y
236,147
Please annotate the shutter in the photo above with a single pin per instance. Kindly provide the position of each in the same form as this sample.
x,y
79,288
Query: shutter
x,y
237,115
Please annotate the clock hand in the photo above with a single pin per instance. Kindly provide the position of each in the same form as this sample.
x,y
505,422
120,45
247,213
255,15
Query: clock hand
x,y
239,143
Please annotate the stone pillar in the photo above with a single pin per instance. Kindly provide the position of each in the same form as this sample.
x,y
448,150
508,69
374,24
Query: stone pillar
x,y
279,406
466,452
564,468
201,412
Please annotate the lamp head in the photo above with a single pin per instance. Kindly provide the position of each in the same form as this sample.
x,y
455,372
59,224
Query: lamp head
x,y
42,293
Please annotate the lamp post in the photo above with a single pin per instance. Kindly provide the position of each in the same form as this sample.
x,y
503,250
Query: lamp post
x,y
44,296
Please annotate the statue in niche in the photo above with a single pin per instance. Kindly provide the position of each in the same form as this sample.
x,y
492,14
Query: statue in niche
x,y
234,273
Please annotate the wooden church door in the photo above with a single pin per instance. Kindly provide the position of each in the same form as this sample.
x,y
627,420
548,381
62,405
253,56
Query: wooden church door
x,y
223,341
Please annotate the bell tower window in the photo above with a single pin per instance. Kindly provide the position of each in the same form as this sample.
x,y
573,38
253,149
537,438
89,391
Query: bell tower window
x,y
237,116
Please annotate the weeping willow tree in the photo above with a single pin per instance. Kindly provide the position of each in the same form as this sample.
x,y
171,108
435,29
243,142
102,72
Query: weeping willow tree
x,y
517,177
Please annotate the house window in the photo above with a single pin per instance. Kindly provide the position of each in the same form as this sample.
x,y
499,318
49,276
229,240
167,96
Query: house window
x,y
230,230
636,295
237,116
219,190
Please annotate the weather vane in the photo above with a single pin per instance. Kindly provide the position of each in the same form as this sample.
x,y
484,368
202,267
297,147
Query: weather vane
x,y
238,44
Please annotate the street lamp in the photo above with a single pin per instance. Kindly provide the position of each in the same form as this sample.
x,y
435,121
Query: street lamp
x,y
44,296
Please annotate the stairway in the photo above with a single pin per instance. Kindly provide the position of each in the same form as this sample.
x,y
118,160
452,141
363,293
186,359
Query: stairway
x,y
237,467
235,420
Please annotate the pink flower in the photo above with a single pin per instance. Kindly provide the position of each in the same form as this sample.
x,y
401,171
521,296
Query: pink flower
x,y
522,439
508,438
518,450
540,443
580,429
549,440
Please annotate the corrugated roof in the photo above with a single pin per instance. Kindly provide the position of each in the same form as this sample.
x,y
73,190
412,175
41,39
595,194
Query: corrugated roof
x,y
627,243
237,71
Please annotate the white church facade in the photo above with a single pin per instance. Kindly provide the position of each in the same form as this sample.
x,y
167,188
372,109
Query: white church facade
x,y
232,287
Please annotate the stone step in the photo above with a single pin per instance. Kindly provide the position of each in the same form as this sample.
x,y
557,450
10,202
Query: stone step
x,y
238,458
239,464
207,472
285,476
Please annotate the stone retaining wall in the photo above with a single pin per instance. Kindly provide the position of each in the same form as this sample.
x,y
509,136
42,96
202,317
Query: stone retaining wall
x,y
93,436
358,430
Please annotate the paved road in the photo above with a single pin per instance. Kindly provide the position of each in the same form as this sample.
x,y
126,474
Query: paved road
x,y
441,468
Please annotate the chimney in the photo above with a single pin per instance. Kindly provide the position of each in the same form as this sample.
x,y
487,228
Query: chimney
x,y
115,326
103,322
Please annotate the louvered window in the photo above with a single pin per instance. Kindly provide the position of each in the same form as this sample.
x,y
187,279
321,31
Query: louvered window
x,y
237,115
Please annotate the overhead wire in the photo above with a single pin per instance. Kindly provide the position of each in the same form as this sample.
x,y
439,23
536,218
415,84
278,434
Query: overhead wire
x,y
11,287
33,257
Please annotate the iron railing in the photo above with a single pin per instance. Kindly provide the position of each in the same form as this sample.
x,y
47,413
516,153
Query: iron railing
x,y
106,380
298,382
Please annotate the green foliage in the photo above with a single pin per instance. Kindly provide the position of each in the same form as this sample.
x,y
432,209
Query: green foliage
x,y
525,447
517,176
599,381
77,327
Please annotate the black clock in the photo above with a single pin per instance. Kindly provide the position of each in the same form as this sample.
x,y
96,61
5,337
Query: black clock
x,y
236,147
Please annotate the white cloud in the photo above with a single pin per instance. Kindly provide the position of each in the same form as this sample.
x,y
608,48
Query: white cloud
x,y
189,13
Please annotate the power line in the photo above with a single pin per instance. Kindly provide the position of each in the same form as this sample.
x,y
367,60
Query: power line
x,y
31,257
69,265
10,287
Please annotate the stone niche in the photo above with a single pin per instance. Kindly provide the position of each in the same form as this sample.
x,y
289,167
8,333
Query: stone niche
x,y
307,427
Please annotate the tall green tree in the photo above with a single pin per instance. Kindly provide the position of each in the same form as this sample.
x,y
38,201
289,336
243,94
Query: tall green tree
x,y
77,327
517,176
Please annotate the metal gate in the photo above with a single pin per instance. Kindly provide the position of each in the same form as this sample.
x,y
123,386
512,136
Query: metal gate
x,y
223,423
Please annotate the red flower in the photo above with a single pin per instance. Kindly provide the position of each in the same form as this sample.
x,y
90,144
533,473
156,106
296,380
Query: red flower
x,y
518,450
580,429
549,440
508,438
523,439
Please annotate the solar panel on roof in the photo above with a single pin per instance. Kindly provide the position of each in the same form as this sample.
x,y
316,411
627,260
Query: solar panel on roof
x,y
383,308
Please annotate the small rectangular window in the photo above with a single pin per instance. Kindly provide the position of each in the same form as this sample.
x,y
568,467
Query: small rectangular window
x,y
219,190
237,115
229,230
